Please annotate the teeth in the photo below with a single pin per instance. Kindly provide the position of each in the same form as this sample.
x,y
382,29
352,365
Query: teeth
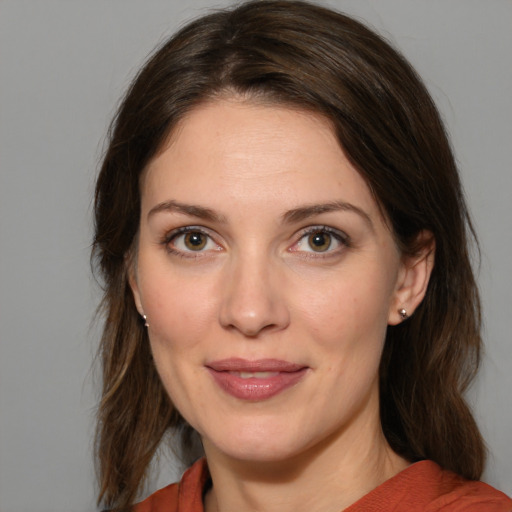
x,y
254,375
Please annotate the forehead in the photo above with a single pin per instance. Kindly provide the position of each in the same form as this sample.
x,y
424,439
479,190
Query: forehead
x,y
242,152
232,126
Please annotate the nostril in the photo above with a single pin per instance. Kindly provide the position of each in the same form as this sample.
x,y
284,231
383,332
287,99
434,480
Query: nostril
x,y
249,324
252,319
253,332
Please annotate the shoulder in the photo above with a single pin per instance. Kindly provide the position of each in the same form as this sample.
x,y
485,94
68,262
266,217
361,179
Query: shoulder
x,y
185,496
468,496
445,491
426,487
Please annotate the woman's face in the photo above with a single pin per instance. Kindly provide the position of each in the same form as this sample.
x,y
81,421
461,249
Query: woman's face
x,y
268,277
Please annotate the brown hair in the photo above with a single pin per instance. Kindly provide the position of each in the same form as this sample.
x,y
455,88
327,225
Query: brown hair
x,y
309,57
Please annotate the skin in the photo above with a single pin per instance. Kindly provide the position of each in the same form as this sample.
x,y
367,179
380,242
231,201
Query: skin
x,y
257,289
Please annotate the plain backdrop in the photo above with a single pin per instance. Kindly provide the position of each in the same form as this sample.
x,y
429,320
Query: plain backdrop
x,y
63,67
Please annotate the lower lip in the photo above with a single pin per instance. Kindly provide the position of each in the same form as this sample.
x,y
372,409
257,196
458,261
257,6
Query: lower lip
x,y
254,388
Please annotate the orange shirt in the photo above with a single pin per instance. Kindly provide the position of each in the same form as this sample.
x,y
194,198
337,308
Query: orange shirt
x,y
423,486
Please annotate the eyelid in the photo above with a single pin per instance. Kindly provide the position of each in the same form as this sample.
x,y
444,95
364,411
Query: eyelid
x,y
341,237
175,233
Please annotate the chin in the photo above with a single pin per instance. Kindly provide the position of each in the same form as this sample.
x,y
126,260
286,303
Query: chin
x,y
259,443
258,452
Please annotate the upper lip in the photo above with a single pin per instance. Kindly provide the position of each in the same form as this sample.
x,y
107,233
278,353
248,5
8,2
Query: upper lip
x,y
236,364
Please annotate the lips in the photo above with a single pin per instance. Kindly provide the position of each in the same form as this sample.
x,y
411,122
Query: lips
x,y
255,380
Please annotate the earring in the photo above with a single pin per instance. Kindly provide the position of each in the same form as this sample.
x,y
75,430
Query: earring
x,y
145,321
403,313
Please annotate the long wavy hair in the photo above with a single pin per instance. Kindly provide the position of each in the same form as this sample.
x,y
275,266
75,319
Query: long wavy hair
x,y
307,57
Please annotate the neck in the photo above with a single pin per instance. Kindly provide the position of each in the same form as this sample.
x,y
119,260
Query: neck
x,y
327,477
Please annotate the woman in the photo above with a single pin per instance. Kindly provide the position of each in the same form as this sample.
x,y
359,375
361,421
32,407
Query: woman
x,y
284,243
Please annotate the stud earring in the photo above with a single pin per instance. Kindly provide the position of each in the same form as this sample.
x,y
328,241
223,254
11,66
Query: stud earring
x,y
145,321
403,313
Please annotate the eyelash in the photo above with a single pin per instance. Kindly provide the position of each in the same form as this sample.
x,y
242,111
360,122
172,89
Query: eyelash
x,y
340,237
173,235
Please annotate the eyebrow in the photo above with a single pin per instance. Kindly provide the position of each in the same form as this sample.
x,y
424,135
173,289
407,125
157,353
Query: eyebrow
x,y
188,209
307,211
291,216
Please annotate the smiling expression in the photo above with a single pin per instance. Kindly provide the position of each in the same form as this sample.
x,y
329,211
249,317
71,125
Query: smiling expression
x,y
268,276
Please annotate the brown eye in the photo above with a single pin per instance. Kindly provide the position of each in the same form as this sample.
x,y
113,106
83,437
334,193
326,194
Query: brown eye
x,y
319,241
195,240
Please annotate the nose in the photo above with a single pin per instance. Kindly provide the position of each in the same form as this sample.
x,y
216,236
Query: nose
x,y
254,298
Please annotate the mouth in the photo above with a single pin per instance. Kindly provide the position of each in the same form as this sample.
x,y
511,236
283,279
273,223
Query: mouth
x,y
255,380
254,375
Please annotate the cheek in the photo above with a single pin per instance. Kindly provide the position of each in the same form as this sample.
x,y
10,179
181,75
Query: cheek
x,y
347,319
178,315
179,321
346,302
178,306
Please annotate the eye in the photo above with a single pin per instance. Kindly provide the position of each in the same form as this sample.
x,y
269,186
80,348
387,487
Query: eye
x,y
321,240
195,241
189,239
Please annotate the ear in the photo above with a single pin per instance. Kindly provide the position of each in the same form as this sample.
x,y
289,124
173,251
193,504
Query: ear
x,y
413,278
131,272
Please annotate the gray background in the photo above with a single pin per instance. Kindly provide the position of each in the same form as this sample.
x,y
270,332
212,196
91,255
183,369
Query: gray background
x,y
64,64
